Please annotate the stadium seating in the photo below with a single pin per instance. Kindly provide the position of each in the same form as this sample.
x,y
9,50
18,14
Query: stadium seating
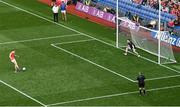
x,y
142,11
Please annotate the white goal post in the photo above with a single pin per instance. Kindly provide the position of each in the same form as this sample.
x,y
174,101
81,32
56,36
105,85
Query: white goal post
x,y
155,42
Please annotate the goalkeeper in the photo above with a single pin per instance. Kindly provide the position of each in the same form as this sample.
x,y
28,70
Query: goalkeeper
x,y
131,46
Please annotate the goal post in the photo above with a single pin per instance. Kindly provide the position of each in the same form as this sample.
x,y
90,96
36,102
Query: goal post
x,y
117,23
154,45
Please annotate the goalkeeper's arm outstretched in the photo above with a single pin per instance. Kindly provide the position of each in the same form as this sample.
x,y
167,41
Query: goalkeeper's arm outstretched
x,y
131,46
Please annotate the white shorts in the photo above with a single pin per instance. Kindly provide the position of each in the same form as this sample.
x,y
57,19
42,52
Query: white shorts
x,y
14,61
129,48
63,11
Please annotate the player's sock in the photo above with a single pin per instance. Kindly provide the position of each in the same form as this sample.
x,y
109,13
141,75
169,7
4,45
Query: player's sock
x,y
17,69
140,92
144,91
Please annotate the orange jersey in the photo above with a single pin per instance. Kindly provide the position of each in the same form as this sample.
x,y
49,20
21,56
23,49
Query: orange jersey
x,y
12,55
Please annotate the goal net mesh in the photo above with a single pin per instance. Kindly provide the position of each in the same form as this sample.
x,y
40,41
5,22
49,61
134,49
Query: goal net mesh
x,y
146,40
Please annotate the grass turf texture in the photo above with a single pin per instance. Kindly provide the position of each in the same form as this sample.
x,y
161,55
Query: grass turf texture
x,y
54,76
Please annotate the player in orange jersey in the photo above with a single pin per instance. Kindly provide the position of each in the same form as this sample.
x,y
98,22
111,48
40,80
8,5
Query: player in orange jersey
x,y
12,56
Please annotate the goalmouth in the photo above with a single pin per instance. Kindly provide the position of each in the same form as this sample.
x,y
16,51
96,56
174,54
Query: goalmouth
x,y
155,42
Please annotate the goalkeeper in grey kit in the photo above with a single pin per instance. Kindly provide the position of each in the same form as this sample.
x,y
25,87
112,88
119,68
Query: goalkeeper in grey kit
x,y
131,46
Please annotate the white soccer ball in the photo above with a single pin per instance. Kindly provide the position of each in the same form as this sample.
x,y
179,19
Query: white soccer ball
x,y
24,68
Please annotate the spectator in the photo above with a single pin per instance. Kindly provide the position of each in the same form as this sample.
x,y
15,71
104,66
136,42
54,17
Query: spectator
x,y
165,9
171,24
53,3
63,10
144,2
155,5
152,24
55,10
136,18
87,2
129,15
74,2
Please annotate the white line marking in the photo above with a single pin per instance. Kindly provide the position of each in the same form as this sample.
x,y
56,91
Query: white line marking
x,y
37,39
23,93
79,33
169,68
73,42
150,79
82,33
162,77
92,62
113,95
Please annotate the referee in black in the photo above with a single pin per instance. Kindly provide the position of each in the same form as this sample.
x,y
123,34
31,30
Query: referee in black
x,y
141,83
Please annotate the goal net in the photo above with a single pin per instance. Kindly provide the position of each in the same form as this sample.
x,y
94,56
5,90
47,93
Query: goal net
x,y
152,45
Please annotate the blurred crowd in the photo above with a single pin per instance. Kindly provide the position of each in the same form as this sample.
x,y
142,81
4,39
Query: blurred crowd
x,y
169,6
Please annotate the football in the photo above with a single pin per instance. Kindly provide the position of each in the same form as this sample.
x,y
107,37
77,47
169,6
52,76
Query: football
x,y
24,68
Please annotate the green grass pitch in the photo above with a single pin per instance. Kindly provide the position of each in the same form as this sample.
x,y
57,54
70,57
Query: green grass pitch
x,y
74,63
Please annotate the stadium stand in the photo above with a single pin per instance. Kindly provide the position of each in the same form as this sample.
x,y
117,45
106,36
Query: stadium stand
x,y
147,11
140,10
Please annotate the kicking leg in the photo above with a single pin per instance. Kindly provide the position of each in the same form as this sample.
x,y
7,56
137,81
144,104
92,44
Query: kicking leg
x,y
16,66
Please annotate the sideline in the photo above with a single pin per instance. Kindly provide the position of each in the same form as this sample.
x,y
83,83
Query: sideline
x,y
37,101
112,95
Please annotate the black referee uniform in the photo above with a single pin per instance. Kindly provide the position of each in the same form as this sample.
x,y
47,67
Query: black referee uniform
x,y
141,83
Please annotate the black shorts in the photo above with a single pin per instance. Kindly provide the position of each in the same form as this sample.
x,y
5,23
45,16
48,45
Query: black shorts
x,y
141,85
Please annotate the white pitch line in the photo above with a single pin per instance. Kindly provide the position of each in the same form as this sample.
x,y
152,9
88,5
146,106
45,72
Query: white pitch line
x,y
169,68
26,11
82,33
92,63
151,79
23,93
78,41
37,39
112,95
